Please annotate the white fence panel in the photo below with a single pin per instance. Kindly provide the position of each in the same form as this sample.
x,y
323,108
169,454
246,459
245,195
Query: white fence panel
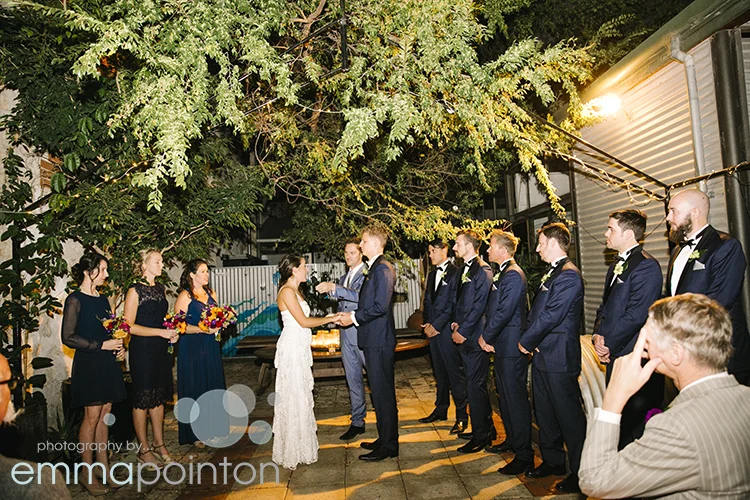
x,y
251,290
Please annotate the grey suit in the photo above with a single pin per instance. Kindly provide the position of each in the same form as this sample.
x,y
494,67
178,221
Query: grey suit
x,y
699,448
351,355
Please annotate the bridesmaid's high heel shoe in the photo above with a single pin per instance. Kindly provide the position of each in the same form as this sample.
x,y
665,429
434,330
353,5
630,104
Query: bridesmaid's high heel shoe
x,y
163,457
95,488
139,457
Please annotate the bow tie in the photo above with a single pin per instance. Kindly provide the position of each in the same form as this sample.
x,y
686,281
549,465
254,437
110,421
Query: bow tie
x,y
620,258
691,242
441,268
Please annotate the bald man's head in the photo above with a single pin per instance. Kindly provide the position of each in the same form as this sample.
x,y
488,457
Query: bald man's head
x,y
688,211
4,391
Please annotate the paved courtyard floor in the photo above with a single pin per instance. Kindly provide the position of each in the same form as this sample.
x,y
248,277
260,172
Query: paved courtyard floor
x,y
428,466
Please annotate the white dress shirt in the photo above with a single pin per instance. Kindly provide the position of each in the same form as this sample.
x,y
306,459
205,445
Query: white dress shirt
x,y
681,261
440,272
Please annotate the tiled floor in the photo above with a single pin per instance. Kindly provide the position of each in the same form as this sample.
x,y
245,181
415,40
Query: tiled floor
x,y
428,466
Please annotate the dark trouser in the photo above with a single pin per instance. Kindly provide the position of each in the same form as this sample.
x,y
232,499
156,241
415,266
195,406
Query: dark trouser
x,y
449,376
511,376
558,406
477,365
379,362
633,420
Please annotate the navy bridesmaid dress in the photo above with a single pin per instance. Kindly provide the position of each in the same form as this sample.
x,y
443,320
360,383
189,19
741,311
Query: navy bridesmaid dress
x,y
199,370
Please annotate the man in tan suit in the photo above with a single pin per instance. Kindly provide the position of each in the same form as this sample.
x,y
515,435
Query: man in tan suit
x,y
699,447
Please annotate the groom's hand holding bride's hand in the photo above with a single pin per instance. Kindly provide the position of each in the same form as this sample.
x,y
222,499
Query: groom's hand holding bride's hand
x,y
344,319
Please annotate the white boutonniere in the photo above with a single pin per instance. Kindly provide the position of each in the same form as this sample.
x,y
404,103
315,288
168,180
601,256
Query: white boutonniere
x,y
546,276
365,271
465,276
696,254
496,277
620,268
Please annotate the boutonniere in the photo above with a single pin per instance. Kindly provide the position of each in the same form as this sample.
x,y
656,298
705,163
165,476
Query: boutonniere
x,y
465,276
696,254
620,268
365,271
546,276
496,277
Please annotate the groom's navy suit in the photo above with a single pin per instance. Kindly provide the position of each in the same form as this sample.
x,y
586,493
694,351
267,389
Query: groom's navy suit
x,y
438,309
474,286
376,336
506,320
718,273
619,319
554,323
352,357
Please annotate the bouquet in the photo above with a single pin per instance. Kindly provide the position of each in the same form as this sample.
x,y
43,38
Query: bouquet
x,y
217,317
176,322
117,327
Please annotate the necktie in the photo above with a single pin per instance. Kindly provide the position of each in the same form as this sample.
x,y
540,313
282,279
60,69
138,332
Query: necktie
x,y
348,278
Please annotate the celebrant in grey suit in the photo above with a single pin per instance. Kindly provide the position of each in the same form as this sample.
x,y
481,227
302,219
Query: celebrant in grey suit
x,y
346,291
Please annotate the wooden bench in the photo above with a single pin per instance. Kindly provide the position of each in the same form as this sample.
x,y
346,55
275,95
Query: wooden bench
x,y
325,364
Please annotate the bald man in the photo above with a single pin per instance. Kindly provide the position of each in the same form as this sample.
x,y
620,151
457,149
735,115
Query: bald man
x,y
709,262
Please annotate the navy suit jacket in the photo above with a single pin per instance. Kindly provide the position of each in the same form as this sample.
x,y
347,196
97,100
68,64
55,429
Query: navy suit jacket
x,y
374,312
554,321
348,299
472,301
718,273
625,303
439,306
506,311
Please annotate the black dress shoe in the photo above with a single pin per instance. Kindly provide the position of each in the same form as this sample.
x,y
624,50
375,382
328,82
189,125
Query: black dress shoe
x,y
459,427
516,467
569,485
469,435
432,418
545,470
500,448
370,445
378,455
351,432
473,446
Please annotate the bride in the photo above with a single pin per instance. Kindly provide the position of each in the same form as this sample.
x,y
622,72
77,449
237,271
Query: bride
x,y
294,427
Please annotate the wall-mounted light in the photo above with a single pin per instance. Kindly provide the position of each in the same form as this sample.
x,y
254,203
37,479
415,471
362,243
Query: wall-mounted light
x,y
606,105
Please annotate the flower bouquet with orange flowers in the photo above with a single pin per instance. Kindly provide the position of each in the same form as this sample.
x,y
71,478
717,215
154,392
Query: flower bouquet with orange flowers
x,y
217,317
178,322
118,328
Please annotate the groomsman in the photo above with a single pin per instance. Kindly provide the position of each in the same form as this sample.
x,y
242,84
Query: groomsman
x,y
474,285
553,338
438,310
376,336
506,319
347,294
711,263
632,284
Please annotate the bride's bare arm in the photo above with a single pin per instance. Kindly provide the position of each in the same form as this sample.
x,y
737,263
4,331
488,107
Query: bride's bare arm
x,y
287,300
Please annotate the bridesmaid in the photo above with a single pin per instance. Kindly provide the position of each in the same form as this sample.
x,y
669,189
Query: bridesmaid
x,y
96,376
199,365
150,361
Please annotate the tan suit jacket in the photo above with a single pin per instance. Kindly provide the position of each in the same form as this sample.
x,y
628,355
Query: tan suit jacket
x,y
698,448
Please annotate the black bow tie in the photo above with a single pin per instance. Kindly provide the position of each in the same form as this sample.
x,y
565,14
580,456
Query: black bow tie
x,y
691,242
620,258
441,268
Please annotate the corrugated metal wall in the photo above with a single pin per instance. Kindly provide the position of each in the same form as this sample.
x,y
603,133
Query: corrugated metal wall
x,y
251,290
652,132
746,60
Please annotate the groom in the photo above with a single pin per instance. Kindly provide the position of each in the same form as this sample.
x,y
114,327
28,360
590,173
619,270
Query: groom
x,y
376,336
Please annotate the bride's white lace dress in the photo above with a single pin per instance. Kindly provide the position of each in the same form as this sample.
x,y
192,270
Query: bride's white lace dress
x,y
294,428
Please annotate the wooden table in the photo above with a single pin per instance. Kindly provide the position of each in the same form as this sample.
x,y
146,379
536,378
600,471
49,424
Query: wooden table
x,y
325,364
